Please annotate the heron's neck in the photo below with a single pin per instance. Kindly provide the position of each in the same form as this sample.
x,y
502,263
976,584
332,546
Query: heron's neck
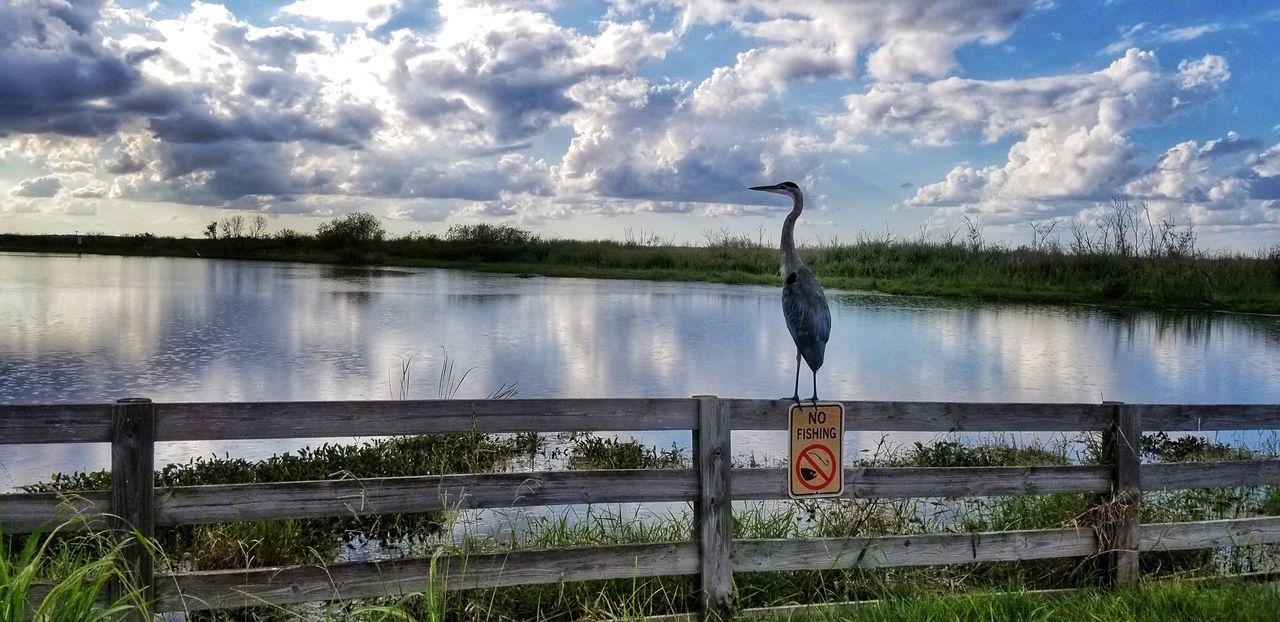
x,y
787,254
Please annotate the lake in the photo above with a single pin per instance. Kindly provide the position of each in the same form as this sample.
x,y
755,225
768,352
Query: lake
x,y
90,328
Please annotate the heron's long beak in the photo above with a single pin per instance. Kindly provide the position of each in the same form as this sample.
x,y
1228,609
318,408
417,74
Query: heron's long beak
x,y
773,188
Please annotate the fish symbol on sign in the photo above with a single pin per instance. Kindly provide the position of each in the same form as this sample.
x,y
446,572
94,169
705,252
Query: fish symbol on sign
x,y
809,474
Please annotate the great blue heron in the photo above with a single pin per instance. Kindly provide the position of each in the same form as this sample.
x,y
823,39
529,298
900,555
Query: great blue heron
x,y
803,304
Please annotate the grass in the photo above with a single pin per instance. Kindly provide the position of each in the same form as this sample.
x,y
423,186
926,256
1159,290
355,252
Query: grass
x,y
911,591
85,563
1047,274
590,451
267,543
1166,601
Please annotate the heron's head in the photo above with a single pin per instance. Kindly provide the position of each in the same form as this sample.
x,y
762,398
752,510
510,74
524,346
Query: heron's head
x,y
788,188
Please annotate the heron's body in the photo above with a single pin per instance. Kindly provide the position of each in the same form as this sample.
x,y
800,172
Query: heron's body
x,y
808,319
804,305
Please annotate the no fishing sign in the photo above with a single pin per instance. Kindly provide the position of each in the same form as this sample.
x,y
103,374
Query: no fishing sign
x,y
817,450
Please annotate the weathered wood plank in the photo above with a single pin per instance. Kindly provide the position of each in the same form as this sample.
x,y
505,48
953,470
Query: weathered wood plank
x,y
1126,436
316,499
295,584
72,423
219,421
20,513
1202,417
715,509
1210,534
55,423
133,440
25,513
911,550
388,495
876,482
748,414
1177,475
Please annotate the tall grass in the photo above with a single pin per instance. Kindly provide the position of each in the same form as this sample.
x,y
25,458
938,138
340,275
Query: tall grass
x,y
1150,602
25,563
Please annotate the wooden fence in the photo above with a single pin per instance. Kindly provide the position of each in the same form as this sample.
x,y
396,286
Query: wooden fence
x,y
134,426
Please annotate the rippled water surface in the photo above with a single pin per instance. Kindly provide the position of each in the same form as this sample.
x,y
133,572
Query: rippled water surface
x,y
97,328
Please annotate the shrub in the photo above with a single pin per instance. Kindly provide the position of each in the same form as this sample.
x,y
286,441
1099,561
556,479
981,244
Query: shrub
x,y
484,233
353,230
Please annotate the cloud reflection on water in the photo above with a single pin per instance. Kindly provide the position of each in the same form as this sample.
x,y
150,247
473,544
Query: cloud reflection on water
x,y
93,329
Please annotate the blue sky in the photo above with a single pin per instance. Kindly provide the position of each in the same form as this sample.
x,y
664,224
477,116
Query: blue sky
x,y
603,120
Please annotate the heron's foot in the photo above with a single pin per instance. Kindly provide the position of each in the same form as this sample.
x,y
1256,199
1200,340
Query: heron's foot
x,y
814,399
795,398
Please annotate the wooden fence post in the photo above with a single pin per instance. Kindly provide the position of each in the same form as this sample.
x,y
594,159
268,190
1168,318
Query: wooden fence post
x,y
1126,452
714,512
133,437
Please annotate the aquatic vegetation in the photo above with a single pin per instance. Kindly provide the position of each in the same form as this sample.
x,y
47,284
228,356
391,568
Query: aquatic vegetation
x,y
943,590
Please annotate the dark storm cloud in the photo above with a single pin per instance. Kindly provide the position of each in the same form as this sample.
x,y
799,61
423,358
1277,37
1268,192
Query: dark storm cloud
x,y
706,157
510,104
124,164
233,169
700,175
57,77
194,123
273,47
279,86
515,108
1265,188
218,111
407,177
271,104
510,80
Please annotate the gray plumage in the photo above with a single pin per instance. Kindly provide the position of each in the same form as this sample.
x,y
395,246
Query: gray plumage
x,y
804,306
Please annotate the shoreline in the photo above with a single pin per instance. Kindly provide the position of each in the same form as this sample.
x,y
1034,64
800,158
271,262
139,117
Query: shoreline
x,y
1235,285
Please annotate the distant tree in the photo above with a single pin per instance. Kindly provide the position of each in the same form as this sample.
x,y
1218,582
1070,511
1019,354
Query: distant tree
x,y
232,226
350,231
258,226
211,231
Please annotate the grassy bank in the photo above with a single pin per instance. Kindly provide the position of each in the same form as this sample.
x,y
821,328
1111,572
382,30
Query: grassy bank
x,y
80,597
1152,602
1174,277
910,592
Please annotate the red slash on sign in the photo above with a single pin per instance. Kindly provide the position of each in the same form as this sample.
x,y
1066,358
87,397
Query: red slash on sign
x,y
816,467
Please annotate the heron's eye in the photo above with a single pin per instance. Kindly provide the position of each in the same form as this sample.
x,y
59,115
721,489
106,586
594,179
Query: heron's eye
x,y
791,278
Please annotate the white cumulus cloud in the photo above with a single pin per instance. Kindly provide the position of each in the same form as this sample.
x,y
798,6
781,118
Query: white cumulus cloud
x,y
1073,130
370,14
1223,181
45,186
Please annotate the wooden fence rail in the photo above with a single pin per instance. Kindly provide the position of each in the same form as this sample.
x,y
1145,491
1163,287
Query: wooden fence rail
x,y
133,426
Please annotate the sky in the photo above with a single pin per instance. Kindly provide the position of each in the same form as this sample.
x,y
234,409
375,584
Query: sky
x,y
642,119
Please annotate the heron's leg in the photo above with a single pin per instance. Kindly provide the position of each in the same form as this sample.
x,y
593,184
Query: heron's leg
x,y
795,395
815,386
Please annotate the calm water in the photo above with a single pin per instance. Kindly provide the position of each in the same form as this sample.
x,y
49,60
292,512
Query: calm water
x,y
94,329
